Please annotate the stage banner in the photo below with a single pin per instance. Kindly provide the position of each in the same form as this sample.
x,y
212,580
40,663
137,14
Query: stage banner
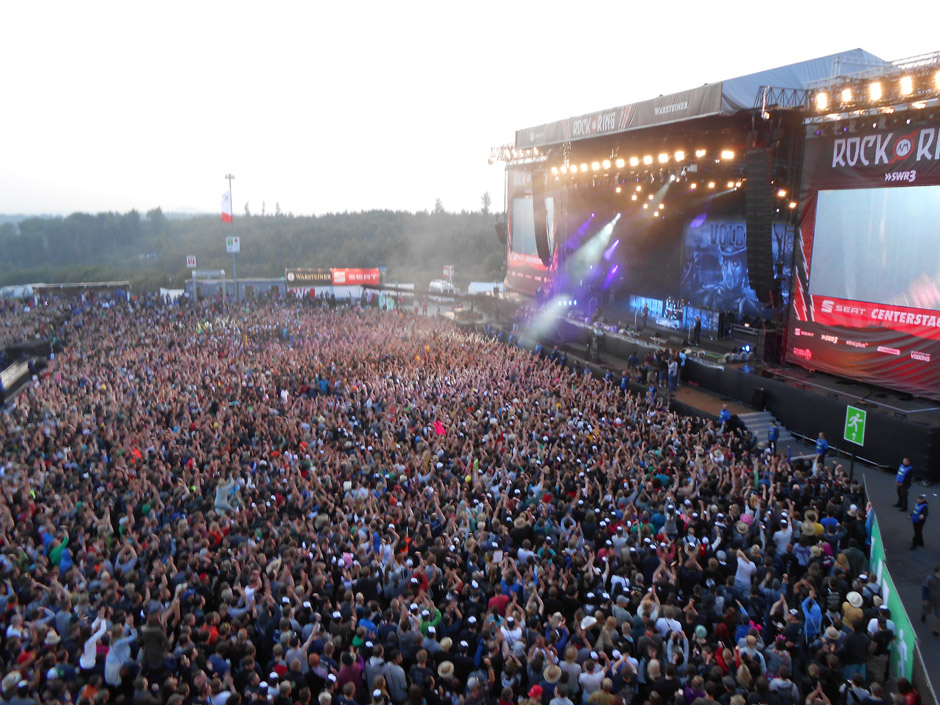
x,y
299,276
714,265
355,277
866,294
698,102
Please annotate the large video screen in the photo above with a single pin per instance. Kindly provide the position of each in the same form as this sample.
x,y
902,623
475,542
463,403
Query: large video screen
x,y
866,300
525,271
878,245
714,265
523,225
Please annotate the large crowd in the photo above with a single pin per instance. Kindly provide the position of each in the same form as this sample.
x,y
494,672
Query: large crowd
x,y
22,321
289,502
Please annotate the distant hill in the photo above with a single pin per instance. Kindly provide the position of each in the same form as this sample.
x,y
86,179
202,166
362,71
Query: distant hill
x,y
150,249
17,218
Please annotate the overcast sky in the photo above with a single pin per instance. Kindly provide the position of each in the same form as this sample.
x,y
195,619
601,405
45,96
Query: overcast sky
x,y
333,106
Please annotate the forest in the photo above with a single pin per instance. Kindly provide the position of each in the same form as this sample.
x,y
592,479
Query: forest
x,y
150,249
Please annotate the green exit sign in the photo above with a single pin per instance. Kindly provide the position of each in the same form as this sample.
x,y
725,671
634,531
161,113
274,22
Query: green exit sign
x,y
855,425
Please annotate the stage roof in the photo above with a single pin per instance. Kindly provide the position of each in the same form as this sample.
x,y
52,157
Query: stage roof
x,y
724,98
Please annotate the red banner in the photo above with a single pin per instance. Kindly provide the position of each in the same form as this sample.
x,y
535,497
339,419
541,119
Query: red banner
x,y
355,277
866,297
859,314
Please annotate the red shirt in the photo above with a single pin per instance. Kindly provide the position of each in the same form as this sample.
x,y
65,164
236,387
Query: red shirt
x,y
499,602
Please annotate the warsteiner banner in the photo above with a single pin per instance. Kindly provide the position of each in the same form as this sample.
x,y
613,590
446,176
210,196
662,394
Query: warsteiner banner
x,y
866,295
299,276
714,265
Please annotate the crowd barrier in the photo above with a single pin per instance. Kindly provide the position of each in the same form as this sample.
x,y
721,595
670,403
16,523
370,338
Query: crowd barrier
x,y
906,658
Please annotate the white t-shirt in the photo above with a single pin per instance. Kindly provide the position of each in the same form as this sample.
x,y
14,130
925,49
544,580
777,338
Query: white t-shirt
x,y
746,569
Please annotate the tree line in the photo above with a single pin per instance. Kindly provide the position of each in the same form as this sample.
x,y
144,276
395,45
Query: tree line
x,y
150,250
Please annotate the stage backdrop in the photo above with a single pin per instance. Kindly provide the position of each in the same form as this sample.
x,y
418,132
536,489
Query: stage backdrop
x,y
866,296
714,264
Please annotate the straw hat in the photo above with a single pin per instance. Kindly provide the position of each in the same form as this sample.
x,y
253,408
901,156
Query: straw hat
x,y
552,674
854,599
807,529
446,669
741,528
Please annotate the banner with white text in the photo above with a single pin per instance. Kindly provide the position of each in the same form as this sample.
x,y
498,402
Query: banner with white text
x,y
866,295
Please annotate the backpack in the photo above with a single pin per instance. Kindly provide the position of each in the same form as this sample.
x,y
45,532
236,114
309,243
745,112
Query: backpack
x,y
788,696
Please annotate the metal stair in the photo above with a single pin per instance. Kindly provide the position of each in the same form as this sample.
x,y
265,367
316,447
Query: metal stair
x,y
757,422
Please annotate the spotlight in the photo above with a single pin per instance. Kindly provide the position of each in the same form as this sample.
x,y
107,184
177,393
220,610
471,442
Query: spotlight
x,y
634,161
620,163
564,170
663,157
730,184
727,154
699,153
672,177
646,206
907,85
782,193
846,95
693,186
554,171
639,188
679,155
792,205
606,164
584,168
617,189
737,184
711,184
574,168
651,197
633,197
874,90
822,101
661,206
746,348
596,166
648,159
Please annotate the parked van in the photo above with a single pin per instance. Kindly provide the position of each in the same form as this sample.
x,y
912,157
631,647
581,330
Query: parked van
x,y
441,286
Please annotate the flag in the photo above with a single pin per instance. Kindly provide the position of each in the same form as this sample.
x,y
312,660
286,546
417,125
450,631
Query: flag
x,y
227,207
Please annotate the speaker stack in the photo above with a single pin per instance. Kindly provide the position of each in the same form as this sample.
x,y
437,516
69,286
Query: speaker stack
x,y
759,208
539,193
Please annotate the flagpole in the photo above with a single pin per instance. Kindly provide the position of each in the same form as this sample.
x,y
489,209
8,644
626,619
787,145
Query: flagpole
x,y
232,204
